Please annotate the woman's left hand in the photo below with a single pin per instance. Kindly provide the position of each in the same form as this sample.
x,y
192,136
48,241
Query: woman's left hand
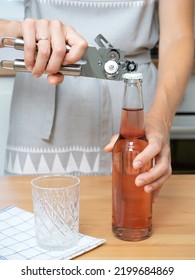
x,y
158,149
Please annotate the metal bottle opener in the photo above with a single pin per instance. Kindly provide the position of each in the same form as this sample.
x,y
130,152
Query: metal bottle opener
x,y
106,62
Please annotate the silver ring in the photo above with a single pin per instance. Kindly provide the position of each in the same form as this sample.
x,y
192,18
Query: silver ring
x,y
43,38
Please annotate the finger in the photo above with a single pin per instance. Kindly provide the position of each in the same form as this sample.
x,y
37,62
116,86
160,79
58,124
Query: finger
x,y
153,186
28,33
154,148
156,185
109,146
155,195
77,43
42,57
55,79
44,47
58,47
157,174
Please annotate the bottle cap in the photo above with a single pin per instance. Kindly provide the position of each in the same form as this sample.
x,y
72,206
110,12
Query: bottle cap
x,y
133,76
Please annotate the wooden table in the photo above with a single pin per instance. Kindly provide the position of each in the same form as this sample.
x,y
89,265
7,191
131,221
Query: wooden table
x,y
173,217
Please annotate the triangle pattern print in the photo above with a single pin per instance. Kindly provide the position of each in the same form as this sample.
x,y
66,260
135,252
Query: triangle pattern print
x,y
29,161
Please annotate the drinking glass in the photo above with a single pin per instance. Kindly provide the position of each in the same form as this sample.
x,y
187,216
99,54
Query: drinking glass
x,y
56,210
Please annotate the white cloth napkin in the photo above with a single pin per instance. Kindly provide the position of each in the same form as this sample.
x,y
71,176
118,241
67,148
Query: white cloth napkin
x,y
18,242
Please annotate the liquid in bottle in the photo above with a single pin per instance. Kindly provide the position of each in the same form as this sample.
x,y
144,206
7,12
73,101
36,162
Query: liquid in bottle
x,y
131,205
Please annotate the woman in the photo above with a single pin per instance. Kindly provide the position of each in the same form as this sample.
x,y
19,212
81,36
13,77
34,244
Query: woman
x,y
64,127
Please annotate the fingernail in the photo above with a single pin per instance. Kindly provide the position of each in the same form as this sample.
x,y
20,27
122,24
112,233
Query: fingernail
x,y
139,183
137,164
148,189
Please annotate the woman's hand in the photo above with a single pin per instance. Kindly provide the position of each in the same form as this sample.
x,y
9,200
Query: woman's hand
x,y
158,148
52,37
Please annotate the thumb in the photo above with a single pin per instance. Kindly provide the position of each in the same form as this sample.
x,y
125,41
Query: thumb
x,y
109,146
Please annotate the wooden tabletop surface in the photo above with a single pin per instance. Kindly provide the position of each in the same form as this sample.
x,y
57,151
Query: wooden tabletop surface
x,y
173,234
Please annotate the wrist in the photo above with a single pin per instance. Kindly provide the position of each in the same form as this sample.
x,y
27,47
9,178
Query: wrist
x,y
160,122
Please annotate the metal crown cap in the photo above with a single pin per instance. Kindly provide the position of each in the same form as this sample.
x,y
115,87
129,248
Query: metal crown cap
x,y
134,76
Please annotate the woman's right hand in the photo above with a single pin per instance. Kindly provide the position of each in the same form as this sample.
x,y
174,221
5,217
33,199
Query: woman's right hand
x,y
52,36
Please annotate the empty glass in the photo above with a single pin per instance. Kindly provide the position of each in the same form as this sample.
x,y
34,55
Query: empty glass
x,y
56,210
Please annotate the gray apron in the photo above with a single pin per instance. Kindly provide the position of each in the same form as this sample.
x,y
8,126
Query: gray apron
x,y
64,128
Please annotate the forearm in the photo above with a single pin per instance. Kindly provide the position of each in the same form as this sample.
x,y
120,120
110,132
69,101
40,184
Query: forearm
x,y
9,29
174,71
176,51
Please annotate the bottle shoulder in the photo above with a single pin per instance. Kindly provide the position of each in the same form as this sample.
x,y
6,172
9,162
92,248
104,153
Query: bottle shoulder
x,y
130,144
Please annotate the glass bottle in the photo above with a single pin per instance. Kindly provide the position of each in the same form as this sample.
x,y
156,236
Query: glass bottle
x,y
131,205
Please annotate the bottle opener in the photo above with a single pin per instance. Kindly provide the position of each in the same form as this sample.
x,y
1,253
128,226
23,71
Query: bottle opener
x,y
106,62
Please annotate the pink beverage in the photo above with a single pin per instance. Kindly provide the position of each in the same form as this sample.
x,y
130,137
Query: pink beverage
x,y
131,206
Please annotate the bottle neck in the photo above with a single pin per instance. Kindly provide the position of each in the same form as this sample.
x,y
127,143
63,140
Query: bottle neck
x,y
132,117
133,95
